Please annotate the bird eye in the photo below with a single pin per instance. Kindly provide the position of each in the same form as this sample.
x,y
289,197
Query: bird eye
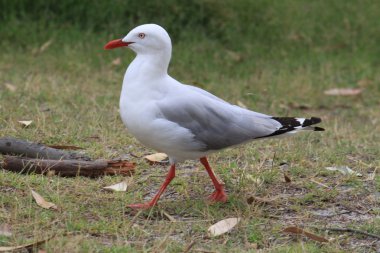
x,y
141,35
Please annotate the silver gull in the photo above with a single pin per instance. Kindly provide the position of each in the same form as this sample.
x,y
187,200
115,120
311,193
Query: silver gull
x,y
184,121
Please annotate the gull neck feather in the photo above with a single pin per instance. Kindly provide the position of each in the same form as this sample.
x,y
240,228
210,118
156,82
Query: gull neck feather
x,y
149,65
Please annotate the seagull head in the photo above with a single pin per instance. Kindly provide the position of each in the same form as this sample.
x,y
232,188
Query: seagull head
x,y
144,39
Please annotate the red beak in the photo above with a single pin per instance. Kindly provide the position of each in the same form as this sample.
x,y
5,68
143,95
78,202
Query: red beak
x,y
116,43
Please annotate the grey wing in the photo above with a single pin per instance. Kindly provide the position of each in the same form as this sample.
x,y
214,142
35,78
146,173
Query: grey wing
x,y
205,93
217,124
212,96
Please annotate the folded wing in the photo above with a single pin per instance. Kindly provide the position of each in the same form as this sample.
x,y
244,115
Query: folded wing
x,y
216,124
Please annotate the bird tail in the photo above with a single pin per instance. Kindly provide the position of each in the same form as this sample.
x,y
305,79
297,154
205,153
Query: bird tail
x,y
292,125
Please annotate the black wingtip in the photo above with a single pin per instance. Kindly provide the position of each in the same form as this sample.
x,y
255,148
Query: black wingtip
x,y
319,129
290,124
311,121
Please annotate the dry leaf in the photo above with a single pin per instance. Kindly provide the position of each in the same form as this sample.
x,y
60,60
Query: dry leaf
x,y
188,247
5,230
119,187
241,104
372,176
364,82
28,246
300,231
295,105
319,183
68,147
252,199
45,45
287,178
171,218
157,158
295,36
345,170
257,181
10,87
223,226
234,56
25,123
116,61
253,245
50,173
42,202
343,91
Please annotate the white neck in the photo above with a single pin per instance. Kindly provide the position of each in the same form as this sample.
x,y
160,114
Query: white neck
x,y
147,66
144,71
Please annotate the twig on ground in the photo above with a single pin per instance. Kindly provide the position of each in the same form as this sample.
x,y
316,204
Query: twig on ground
x,y
13,146
168,216
274,157
349,230
67,167
29,247
319,183
161,244
204,251
188,247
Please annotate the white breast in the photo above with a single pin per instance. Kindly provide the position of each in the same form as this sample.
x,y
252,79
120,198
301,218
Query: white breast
x,y
142,117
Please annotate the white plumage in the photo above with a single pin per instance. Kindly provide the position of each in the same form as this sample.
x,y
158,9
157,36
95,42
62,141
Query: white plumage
x,y
180,120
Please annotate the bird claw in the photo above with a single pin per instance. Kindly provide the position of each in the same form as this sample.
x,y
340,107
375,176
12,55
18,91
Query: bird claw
x,y
218,196
142,206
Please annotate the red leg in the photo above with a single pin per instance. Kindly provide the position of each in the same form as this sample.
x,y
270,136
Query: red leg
x,y
218,195
153,202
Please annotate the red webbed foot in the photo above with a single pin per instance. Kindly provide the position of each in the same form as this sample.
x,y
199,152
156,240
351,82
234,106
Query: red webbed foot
x,y
142,206
153,202
218,196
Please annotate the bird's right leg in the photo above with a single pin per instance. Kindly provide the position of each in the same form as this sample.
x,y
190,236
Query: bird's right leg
x,y
153,202
219,194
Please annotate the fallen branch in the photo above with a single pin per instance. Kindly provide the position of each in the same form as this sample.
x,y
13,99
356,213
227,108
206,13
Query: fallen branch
x,y
349,230
29,247
68,168
119,167
188,247
300,231
13,146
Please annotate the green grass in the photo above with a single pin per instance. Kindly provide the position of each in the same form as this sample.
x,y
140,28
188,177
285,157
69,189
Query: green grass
x,y
269,55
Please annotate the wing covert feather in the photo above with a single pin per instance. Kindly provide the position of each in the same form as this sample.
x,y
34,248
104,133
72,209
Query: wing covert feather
x,y
216,123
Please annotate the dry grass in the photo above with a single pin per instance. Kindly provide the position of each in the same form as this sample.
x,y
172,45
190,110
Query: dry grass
x,y
71,92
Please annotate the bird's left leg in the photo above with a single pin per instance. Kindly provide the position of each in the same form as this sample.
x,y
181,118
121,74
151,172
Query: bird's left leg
x,y
218,195
153,202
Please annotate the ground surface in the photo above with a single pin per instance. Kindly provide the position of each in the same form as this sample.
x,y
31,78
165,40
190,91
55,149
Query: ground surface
x,y
64,82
